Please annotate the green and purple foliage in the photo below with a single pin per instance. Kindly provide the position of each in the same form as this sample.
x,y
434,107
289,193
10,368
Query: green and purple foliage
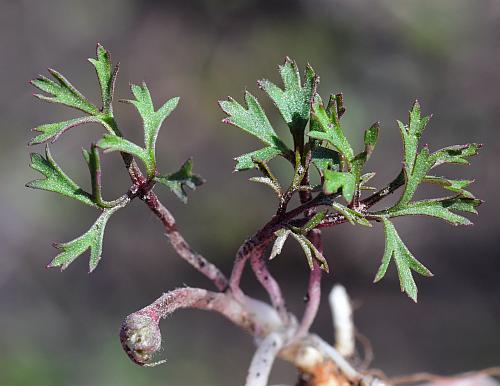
x,y
319,146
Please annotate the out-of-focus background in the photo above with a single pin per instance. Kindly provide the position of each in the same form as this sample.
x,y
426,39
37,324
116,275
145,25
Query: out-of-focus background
x,y
62,328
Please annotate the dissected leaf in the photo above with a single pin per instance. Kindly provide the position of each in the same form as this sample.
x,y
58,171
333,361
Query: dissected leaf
x,y
52,131
294,100
253,120
370,138
456,154
55,179
405,262
106,75
440,208
327,128
457,186
414,175
411,134
111,142
151,119
178,181
247,161
325,158
63,92
336,180
92,239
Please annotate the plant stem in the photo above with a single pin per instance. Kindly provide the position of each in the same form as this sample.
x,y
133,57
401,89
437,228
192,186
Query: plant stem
x,y
181,246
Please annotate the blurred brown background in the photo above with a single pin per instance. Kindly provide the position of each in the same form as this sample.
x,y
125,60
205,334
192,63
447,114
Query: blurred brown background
x,y
62,328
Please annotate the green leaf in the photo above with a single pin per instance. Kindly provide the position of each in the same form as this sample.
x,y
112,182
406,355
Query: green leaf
x,y
151,119
456,154
457,186
351,215
107,77
92,239
294,101
325,158
370,138
327,127
178,181
52,131
336,180
414,177
313,223
55,179
247,161
411,134
440,208
253,120
405,262
111,142
93,160
311,252
281,236
63,92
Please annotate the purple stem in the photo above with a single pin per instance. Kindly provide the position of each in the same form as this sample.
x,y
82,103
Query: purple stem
x,y
313,297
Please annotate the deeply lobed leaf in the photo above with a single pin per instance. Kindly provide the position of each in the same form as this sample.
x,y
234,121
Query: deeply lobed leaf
x,y
327,128
254,121
441,208
52,131
107,77
405,261
55,179
63,92
294,101
152,120
339,180
184,178
92,239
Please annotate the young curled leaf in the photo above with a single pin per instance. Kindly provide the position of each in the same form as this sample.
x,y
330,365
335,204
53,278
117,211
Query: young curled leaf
x,y
180,180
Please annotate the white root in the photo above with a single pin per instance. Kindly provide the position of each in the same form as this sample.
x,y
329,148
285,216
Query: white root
x,y
263,359
340,306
